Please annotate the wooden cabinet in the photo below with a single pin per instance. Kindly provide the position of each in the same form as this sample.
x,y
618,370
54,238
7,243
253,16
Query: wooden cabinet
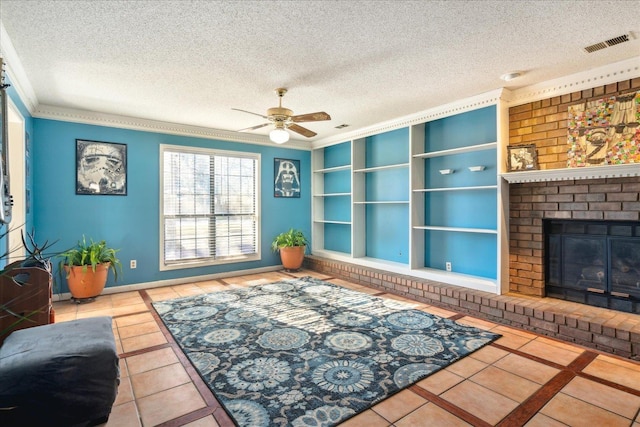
x,y
24,292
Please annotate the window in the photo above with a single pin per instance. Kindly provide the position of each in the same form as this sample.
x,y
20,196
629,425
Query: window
x,y
209,207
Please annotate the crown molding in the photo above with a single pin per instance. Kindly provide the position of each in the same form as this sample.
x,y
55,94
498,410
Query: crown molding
x,y
16,72
456,107
125,122
611,73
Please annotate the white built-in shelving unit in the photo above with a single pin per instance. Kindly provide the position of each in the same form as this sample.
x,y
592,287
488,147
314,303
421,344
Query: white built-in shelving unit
x,y
404,188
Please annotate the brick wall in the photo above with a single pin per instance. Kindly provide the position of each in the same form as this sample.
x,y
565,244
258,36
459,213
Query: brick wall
x,y
529,203
544,123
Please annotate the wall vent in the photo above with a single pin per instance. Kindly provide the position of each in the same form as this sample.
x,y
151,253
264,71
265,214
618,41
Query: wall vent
x,y
607,43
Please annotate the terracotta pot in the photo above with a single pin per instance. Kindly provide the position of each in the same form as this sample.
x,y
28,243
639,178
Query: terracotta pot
x,y
88,283
292,257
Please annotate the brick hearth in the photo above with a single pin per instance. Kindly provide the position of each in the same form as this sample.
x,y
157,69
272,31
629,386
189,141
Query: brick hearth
x,y
606,330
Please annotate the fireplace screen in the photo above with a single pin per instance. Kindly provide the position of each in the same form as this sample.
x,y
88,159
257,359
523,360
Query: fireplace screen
x,y
594,263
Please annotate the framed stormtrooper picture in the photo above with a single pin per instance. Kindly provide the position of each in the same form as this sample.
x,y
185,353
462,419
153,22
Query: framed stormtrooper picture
x,y
101,168
286,175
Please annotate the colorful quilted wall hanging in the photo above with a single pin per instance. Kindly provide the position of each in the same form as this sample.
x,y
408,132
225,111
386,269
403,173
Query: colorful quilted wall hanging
x,y
605,131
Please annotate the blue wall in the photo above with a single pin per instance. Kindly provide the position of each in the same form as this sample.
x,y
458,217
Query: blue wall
x,y
131,223
387,225
469,253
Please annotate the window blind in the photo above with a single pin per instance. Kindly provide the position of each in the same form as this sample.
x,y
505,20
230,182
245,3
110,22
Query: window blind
x,y
210,206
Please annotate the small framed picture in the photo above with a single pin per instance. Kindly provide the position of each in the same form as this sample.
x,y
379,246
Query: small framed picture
x,y
522,158
286,175
101,168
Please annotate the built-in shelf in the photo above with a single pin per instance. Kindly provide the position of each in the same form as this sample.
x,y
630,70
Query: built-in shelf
x,y
449,152
457,229
588,172
472,188
332,195
383,202
327,221
404,193
380,168
333,169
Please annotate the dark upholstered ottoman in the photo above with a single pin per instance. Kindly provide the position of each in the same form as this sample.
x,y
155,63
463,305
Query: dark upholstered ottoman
x,y
63,374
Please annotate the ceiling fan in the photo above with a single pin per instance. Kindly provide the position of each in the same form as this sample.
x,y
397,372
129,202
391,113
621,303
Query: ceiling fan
x,y
283,119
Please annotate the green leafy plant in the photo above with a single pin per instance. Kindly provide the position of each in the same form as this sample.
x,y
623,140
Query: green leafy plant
x,y
91,253
288,239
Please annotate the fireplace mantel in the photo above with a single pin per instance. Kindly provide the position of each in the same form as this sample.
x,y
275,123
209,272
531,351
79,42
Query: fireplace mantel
x,y
589,172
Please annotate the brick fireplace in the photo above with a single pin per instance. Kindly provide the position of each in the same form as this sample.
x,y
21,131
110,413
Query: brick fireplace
x,y
544,123
609,199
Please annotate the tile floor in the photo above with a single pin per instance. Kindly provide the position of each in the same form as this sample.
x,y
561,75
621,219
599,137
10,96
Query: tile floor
x,y
520,379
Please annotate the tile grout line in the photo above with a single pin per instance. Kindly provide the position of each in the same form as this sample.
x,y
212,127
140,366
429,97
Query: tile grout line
x,y
212,404
532,405
578,372
530,356
143,350
188,418
448,406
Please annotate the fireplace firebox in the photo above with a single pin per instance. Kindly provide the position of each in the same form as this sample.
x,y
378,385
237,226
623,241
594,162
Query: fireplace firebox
x,y
593,262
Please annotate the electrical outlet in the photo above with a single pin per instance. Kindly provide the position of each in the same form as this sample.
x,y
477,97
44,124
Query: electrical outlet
x,y
448,265
133,264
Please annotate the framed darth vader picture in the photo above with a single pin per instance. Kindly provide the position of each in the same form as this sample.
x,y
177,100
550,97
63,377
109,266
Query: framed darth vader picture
x,y
286,175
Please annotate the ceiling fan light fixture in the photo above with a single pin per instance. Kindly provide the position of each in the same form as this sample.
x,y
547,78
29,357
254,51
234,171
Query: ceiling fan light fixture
x,y
279,136
284,121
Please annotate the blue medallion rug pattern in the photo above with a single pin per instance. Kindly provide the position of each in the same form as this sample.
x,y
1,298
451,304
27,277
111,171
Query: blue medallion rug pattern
x,y
304,352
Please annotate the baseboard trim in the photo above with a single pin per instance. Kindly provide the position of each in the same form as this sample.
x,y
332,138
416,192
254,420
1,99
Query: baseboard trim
x,y
63,296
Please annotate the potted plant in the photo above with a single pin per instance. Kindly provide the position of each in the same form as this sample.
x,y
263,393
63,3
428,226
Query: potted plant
x,y
292,245
87,267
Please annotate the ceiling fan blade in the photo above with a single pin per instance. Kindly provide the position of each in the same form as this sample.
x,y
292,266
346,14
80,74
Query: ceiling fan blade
x,y
254,127
311,117
302,131
255,114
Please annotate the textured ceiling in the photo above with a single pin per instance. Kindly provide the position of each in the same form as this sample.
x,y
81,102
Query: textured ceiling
x,y
363,62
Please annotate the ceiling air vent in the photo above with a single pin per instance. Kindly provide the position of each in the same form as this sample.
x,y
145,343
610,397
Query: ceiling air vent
x,y
607,43
617,40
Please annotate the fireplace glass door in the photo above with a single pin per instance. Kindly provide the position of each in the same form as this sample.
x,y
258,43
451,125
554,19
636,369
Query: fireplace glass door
x,y
594,263
585,263
625,267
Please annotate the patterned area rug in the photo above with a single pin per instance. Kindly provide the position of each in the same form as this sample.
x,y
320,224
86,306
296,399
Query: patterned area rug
x,y
304,352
